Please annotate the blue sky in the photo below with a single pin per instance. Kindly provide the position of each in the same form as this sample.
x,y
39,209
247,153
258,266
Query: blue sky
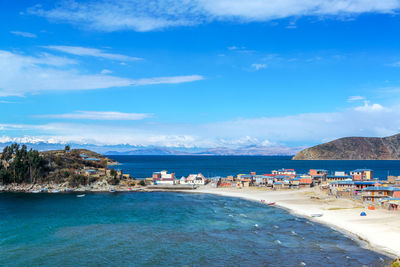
x,y
199,73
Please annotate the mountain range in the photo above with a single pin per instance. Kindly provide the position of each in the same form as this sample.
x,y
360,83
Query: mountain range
x,y
249,150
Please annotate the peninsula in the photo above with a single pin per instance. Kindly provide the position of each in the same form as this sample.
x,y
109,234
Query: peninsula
x,y
354,148
23,170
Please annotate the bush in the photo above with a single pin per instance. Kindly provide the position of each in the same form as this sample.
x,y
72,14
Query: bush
x,y
142,183
92,180
77,180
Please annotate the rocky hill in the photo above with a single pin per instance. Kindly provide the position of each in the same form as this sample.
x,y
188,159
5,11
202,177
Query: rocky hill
x,y
354,148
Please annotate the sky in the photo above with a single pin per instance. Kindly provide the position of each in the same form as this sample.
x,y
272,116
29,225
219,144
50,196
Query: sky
x,y
198,73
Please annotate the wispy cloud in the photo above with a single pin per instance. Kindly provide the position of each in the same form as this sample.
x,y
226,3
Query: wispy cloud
x,y
355,98
93,52
168,80
394,64
112,15
20,75
99,115
24,34
258,66
105,71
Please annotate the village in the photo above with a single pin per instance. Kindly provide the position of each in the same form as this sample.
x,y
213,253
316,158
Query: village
x,y
95,174
358,185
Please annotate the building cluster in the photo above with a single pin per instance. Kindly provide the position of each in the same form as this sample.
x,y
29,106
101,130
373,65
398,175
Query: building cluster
x,y
277,179
358,184
165,178
361,185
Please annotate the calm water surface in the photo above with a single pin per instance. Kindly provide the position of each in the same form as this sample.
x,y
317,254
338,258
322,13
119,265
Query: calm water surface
x,y
144,166
165,229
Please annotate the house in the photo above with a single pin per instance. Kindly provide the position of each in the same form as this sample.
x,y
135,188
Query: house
x,y
163,178
194,179
376,193
92,159
342,185
362,174
227,182
149,181
393,179
318,172
391,203
295,183
360,185
90,172
287,172
277,185
305,181
340,177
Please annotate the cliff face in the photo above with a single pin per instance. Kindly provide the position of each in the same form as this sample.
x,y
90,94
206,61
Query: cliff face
x,y
354,148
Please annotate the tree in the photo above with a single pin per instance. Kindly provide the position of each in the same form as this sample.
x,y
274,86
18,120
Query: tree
x,y
67,148
20,165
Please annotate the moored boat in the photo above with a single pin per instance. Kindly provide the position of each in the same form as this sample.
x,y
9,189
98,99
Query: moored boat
x,y
317,215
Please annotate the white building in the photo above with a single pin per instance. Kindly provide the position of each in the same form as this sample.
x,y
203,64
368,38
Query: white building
x,y
194,179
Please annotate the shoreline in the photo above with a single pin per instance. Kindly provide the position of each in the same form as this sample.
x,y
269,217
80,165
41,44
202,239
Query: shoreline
x,y
378,235
378,231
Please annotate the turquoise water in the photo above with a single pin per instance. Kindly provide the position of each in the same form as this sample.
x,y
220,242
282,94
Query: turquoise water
x,y
144,166
165,229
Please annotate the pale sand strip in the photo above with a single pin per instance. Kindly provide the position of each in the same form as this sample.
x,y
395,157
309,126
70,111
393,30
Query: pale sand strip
x,y
380,228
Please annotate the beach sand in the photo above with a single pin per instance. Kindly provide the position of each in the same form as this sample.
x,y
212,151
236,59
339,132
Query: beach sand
x,y
380,228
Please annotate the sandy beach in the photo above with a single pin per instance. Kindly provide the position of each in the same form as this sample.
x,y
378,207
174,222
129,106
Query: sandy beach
x,y
380,228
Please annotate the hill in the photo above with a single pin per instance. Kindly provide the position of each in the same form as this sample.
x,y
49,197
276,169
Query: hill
x,y
354,148
18,165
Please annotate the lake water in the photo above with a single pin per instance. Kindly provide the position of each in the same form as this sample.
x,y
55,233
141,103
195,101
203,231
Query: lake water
x,y
176,229
144,166
165,229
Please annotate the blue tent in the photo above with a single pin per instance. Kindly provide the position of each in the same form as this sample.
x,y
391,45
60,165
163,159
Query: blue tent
x,y
363,214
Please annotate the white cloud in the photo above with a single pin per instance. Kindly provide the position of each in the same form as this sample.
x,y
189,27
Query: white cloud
x,y
99,115
105,71
370,108
94,52
24,34
355,98
300,129
108,15
20,75
258,66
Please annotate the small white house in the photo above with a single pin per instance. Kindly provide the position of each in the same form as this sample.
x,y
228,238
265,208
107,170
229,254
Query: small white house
x,y
194,179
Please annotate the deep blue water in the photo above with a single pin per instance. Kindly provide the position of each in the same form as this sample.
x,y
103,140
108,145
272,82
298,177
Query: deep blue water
x,y
144,166
165,229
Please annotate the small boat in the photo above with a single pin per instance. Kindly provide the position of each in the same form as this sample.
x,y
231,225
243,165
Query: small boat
x,y
112,191
55,191
317,215
363,214
80,195
35,191
271,203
